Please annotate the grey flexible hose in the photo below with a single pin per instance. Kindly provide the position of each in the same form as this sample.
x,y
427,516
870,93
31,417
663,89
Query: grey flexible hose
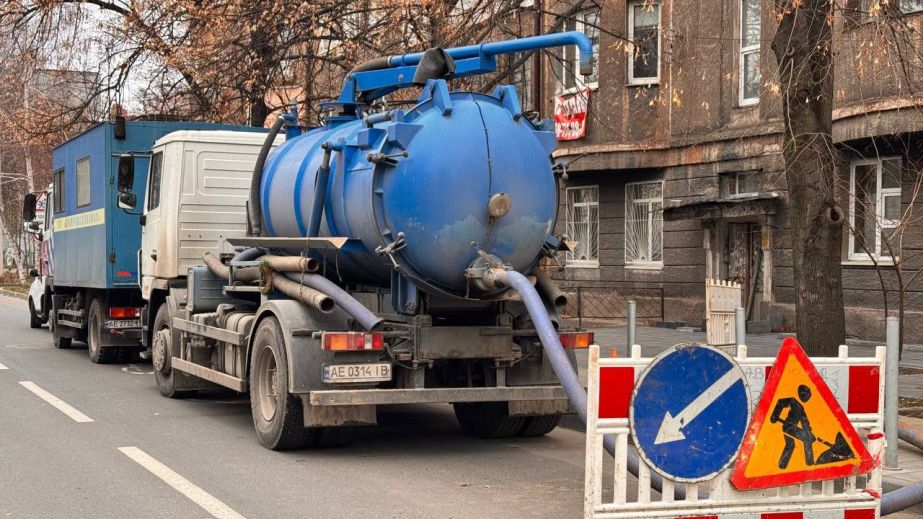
x,y
248,254
254,206
910,495
368,320
911,436
563,369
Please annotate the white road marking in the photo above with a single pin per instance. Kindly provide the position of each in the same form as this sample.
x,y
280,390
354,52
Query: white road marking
x,y
182,485
59,404
3,366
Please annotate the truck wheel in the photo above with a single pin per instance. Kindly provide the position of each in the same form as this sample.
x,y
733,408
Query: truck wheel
x,y
162,353
539,425
60,343
278,416
98,354
488,419
34,320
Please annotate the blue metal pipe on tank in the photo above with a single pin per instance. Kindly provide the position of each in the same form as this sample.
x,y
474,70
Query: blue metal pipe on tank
x,y
425,192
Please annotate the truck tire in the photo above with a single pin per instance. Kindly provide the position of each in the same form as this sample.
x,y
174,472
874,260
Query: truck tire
x,y
488,419
61,343
278,416
98,354
539,425
161,355
34,320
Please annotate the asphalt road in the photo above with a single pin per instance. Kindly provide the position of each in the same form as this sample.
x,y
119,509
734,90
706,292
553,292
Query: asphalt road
x,y
416,463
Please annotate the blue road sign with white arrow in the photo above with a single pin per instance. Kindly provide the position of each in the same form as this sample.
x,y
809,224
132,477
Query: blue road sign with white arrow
x,y
689,412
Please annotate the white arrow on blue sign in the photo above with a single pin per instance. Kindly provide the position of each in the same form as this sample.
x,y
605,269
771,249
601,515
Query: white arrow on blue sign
x,y
689,412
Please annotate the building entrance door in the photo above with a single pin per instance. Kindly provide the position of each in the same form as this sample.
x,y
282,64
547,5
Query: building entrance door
x,y
744,257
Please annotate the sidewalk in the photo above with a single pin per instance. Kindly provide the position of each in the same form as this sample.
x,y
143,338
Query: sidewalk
x,y
655,340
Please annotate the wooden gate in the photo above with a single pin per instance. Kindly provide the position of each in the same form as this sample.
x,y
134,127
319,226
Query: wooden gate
x,y
721,299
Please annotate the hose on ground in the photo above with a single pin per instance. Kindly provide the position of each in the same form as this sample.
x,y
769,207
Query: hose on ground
x,y
366,319
562,366
911,495
911,436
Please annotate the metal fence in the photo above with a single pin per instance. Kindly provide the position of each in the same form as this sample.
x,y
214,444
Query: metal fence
x,y
600,304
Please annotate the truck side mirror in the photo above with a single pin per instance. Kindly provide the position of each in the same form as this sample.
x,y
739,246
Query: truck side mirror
x,y
126,174
127,200
28,207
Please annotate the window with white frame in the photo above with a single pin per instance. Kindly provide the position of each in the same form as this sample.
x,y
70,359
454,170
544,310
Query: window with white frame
x,y
586,22
744,183
874,206
749,63
644,38
644,223
582,224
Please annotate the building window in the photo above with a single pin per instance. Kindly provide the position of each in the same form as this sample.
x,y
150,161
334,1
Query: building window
x,y
749,64
644,49
583,226
153,194
744,183
874,207
644,223
57,185
83,182
586,22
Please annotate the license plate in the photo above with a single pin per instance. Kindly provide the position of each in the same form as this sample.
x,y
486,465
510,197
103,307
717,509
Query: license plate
x,y
120,324
344,373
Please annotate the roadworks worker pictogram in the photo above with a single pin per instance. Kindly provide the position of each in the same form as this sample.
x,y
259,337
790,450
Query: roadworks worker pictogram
x,y
797,426
798,432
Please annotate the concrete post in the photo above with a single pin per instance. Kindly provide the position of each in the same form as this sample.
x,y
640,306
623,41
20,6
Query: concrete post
x,y
632,316
891,371
740,326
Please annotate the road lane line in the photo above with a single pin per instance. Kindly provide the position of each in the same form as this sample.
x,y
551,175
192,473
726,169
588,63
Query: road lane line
x,y
182,485
3,366
59,404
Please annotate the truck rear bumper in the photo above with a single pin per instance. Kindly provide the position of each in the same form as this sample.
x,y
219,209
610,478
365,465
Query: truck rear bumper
x,y
435,395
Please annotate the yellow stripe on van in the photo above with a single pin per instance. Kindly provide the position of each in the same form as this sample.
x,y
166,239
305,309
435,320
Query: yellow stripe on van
x,y
78,221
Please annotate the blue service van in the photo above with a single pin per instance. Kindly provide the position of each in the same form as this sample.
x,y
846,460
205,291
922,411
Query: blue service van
x,y
95,294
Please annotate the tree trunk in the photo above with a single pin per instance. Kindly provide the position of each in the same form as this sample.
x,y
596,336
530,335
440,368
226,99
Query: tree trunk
x,y
802,45
258,112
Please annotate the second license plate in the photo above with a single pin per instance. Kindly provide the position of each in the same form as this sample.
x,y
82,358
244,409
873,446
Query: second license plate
x,y
119,324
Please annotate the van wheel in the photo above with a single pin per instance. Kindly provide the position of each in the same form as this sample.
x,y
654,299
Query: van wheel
x,y
278,416
34,320
98,354
488,419
162,355
539,425
60,343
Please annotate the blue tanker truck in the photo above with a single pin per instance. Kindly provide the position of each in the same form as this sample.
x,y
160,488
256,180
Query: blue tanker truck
x,y
93,294
385,257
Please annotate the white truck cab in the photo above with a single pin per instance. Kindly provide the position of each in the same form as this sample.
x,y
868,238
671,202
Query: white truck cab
x,y
195,199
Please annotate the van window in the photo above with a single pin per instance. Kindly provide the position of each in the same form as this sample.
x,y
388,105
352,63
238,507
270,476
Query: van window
x,y
83,182
58,187
153,195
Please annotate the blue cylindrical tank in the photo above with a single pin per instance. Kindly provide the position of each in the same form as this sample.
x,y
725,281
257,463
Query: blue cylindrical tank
x,y
420,182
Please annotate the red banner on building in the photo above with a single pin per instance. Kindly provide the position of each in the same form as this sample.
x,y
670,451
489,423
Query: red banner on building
x,y
570,115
